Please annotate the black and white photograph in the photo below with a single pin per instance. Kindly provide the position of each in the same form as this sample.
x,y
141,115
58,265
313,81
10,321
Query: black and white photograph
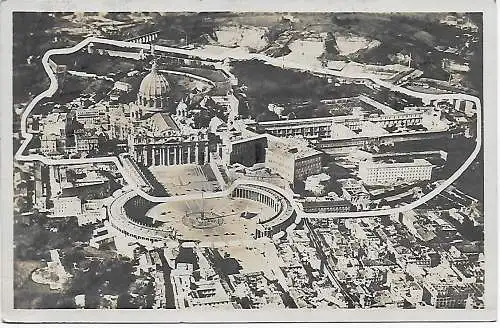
x,y
284,162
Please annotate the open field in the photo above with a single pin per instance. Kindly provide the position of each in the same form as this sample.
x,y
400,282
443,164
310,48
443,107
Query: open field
x,y
243,36
305,52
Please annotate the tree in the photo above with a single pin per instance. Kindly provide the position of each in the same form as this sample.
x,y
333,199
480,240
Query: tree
x,y
243,109
202,119
210,103
331,46
267,116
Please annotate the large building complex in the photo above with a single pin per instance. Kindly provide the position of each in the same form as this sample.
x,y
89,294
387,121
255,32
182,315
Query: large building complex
x,y
293,161
246,150
356,120
148,132
373,173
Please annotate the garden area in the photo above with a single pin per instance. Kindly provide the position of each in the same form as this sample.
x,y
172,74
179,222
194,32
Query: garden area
x,y
265,84
34,237
94,272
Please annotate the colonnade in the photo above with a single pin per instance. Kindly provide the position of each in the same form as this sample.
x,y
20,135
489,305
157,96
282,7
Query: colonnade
x,y
175,154
260,196
390,122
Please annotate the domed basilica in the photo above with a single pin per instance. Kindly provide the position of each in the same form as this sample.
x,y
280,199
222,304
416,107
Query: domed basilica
x,y
153,95
157,138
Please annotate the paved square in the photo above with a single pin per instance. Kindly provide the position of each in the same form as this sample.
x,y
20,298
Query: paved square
x,y
223,217
185,179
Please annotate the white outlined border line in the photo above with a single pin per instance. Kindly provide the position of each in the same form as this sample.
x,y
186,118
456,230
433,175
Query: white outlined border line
x,y
272,61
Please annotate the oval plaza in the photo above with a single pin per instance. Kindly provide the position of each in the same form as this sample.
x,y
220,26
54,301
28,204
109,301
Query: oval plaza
x,y
246,210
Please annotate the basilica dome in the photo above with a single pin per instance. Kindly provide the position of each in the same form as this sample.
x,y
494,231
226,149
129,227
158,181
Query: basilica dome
x,y
154,91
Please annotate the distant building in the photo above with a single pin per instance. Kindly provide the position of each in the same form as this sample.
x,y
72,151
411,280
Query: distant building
x,y
67,206
149,262
292,162
58,69
445,296
53,136
208,293
88,115
312,128
326,206
354,191
461,22
86,140
362,111
168,147
92,212
120,123
154,138
41,177
454,66
50,143
397,119
101,237
229,101
246,150
181,283
87,185
373,173
122,86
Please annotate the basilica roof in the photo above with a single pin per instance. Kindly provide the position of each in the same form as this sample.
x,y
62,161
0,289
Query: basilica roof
x,y
154,84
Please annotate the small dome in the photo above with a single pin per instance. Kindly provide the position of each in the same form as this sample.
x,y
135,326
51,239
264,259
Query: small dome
x,y
154,85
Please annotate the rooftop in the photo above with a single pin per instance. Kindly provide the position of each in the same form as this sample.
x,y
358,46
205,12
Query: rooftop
x,y
416,162
297,147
